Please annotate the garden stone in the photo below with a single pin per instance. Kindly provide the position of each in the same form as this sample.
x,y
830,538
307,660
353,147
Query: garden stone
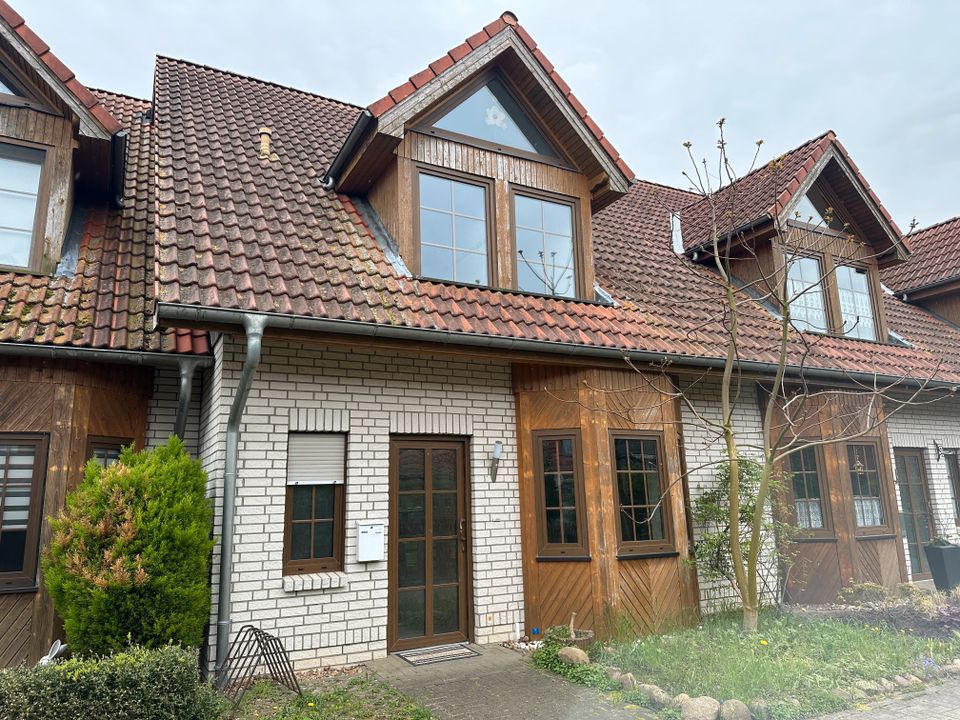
x,y
613,672
628,682
887,685
573,656
901,681
658,696
700,708
760,710
869,687
680,699
914,680
858,694
844,695
734,710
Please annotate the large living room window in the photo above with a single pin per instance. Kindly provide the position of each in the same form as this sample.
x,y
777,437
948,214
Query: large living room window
x,y
562,527
22,470
314,525
642,498
454,228
21,168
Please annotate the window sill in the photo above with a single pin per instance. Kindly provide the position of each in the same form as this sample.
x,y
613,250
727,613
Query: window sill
x,y
651,554
563,558
18,589
307,582
883,535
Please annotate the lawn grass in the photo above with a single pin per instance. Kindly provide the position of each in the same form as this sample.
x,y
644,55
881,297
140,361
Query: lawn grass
x,y
344,698
789,658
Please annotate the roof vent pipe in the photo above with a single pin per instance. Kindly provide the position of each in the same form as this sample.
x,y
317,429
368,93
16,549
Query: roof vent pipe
x,y
265,134
253,326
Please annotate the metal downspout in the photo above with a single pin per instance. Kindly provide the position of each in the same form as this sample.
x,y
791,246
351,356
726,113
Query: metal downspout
x,y
183,399
253,326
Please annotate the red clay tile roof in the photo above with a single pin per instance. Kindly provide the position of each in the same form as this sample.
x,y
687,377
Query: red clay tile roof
x,y
765,192
507,22
934,258
66,76
106,303
238,232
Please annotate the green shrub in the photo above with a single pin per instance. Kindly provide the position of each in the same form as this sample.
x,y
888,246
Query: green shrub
x,y
130,555
138,684
864,592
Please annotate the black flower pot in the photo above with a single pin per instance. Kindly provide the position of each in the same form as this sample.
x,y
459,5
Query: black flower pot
x,y
944,561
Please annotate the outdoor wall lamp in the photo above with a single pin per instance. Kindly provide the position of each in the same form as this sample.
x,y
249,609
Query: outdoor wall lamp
x,y
495,454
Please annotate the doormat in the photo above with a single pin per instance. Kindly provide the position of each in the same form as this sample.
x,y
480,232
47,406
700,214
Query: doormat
x,y
438,654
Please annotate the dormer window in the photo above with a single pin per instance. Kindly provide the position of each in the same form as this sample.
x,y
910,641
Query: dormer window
x,y
21,168
545,243
805,293
856,302
814,209
454,230
488,114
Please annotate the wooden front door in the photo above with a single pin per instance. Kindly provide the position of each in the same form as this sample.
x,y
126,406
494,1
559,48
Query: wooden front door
x,y
429,544
915,518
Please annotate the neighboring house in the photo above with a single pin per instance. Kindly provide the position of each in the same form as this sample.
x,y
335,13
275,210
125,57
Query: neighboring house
x,y
417,418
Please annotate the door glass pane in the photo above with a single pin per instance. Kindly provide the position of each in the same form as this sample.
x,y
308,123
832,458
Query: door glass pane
x,y
411,468
411,614
411,516
444,474
411,563
445,561
445,514
446,609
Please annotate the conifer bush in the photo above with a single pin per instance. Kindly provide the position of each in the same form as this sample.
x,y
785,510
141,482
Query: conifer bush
x,y
130,555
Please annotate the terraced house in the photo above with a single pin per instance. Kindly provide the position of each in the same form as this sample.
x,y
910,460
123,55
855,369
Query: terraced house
x,y
396,336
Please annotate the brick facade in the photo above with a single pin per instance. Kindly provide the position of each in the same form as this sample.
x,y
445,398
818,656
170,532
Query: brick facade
x,y
338,618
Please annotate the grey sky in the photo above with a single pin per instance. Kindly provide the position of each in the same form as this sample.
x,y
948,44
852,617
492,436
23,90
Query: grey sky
x,y
884,75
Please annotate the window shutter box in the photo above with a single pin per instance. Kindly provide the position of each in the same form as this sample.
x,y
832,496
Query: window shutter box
x,y
316,459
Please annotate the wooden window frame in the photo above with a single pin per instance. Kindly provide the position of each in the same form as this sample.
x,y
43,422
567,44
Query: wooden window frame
x,y
489,207
573,552
336,561
26,580
824,260
827,531
887,527
425,124
580,291
42,206
856,265
104,441
638,548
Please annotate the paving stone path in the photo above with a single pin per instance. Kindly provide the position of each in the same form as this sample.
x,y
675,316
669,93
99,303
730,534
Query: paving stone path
x,y
503,685
498,685
940,702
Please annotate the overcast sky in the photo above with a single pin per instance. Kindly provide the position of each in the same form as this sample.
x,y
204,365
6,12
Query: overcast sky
x,y
884,75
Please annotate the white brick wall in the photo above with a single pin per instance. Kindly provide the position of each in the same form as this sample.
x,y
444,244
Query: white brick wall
x,y
342,617
162,410
920,426
704,449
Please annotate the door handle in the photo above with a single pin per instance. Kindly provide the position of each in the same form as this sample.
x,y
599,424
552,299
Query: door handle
x,y
462,531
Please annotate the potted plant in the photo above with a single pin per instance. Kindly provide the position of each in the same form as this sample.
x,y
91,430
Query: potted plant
x,y
582,639
943,556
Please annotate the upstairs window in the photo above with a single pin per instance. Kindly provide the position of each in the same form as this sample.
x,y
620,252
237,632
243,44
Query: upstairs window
x,y
856,303
805,293
545,242
454,229
491,114
814,209
20,171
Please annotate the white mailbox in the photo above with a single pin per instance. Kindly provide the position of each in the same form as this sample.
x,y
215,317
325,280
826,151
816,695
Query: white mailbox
x,y
369,542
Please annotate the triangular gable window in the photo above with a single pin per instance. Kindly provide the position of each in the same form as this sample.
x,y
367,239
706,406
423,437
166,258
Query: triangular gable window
x,y
491,113
814,209
7,87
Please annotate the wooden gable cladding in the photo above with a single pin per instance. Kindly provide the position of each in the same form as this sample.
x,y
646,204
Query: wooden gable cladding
x,y
652,592
393,197
68,403
822,562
